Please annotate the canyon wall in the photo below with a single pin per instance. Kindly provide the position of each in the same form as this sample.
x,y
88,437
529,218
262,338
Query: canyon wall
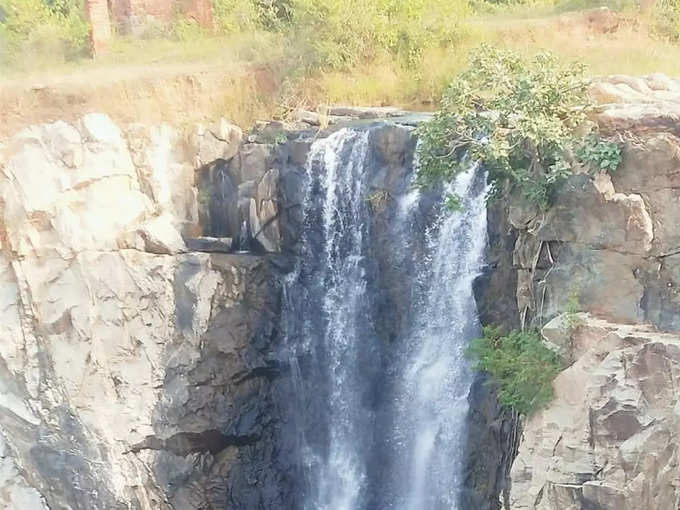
x,y
135,371
609,246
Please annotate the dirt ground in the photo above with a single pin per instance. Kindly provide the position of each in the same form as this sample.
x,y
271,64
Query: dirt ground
x,y
177,93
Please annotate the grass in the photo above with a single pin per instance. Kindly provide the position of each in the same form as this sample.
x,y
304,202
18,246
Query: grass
x,y
266,75
631,49
231,51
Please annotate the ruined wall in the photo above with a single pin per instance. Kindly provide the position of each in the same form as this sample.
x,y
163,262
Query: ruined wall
x,y
100,25
137,17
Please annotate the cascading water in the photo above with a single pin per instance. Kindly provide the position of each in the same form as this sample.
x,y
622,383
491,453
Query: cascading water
x,y
433,378
381,423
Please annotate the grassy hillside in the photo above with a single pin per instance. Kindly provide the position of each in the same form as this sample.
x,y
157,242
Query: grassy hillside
x,y
309,53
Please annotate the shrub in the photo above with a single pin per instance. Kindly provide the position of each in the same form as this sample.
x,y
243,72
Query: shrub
x,y
34,28
343,33
666,19
186,29
230,16
524,120
521,367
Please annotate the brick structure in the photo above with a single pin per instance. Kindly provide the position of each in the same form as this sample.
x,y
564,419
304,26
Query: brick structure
x,y
199,10
100,25
137,16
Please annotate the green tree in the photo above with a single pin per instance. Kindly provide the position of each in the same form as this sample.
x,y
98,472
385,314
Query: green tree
x,y
54,29
526,121
341,33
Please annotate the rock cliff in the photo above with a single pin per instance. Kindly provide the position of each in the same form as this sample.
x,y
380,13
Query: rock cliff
x,y
140,366
609,440
134,372
610,245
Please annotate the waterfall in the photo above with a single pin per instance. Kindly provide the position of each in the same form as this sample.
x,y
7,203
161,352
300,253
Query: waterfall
x,y
381,423
433,383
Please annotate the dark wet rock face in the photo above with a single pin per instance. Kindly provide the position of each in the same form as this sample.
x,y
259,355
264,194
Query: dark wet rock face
x,y
223,407
493,431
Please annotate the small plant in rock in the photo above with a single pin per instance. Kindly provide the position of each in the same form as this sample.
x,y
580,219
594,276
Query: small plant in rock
x,y
525,121
572,309
599,155
520,366
378,201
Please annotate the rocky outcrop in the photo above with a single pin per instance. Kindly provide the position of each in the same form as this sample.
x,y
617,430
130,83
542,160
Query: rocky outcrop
x,y
609,440
134,372
648,103
252,193
608,246
609,242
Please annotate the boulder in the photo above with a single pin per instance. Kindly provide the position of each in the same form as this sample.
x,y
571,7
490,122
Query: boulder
x,y
264,212
392,147
157,235
256,159
217,141
366,112
210,244
590,212
641,104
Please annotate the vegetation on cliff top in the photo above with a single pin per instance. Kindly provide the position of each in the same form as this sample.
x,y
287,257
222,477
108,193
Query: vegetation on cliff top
x,y
315,52
524,120
520,367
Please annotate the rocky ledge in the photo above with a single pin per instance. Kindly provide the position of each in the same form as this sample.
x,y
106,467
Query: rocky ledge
x,y
609,440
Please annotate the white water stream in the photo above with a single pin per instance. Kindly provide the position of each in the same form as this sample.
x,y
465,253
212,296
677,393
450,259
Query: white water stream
x,y
420,431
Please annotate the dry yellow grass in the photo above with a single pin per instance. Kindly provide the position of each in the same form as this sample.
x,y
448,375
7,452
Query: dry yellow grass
x,y
629,47
248,78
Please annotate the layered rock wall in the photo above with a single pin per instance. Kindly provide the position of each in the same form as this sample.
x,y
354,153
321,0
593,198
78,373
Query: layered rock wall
x,y
609,441
134,372
608,246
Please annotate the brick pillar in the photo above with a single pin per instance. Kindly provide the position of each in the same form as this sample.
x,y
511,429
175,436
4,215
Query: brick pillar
x,y
100,25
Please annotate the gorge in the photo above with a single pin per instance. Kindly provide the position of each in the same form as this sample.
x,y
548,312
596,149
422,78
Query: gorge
x,y
278,320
